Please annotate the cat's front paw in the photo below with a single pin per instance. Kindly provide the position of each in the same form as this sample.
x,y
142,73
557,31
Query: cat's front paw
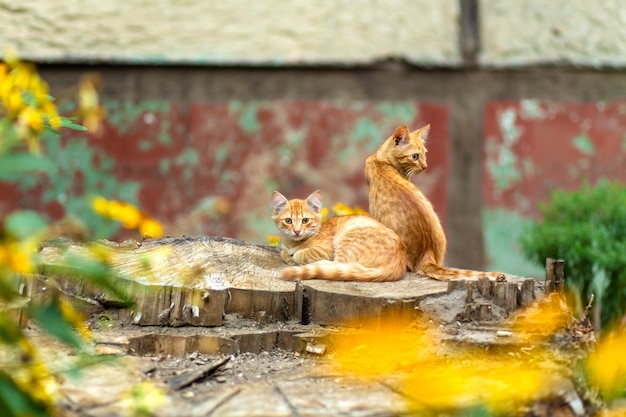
x,y
286,257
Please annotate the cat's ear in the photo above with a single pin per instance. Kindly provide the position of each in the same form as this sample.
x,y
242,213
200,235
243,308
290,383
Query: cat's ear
x,y
401,135
423,132
279,202
314,201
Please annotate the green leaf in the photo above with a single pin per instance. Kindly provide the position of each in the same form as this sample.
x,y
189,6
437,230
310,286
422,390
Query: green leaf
x,y
15,402
10,333
50,318
15,165
69,123
24,224
94,270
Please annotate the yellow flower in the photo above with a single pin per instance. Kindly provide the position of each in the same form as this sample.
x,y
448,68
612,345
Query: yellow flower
x,y
606,366
100,205
55,122
324,213
273,240
145,398
76,319
31,118
543,319
151,228
435,381
16,257
340,209
130,216
90,110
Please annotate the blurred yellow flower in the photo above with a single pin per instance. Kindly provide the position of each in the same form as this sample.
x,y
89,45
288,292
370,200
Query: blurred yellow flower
x,y
130,216
90,111
145,398
55,122
273,240
606,365
32,118
150,228
542,319
341,209
378,348
324,214
24,96
100,205
17,257
76,319
432,380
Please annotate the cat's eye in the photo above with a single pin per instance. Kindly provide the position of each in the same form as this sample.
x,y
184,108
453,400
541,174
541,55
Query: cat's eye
x,y
416,156
288,220
305,220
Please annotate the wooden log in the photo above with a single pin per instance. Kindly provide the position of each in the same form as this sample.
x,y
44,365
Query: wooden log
x,y
185,379
187,281
339,302
197,281
527,293
550,262
506,295
485,287
559,275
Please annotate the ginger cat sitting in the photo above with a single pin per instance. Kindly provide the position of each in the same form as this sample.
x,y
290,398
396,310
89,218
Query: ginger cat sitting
x,y
344,248
398,204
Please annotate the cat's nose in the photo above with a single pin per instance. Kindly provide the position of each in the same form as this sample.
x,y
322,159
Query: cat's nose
x,y
297,232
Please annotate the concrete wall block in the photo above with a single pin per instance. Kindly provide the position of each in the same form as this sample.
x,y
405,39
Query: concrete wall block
x,y
236,32
575,32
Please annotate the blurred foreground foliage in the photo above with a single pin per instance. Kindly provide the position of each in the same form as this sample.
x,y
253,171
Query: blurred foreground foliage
x,y
586,228
523,377
30,125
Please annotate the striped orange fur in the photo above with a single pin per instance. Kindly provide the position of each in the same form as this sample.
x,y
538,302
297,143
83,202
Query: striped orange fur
x,y
343,248
398,204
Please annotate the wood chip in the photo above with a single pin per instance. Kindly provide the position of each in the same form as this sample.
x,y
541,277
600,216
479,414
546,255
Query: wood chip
x,y
187,378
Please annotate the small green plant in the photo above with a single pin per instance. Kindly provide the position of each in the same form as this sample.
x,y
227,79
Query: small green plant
x,y
586,228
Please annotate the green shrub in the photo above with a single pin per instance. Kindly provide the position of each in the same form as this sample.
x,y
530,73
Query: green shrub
x,y
586,228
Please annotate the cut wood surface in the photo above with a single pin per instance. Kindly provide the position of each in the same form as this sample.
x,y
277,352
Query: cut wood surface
x,y
196,281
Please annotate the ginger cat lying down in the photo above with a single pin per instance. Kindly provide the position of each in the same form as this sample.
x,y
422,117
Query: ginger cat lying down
x,y
344,248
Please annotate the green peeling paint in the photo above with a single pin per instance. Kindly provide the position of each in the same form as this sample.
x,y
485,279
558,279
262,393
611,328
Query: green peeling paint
x,y
188,161
124,114
583,144
531,110
164,166
293,140
164,136
366,130
502,161
247,115
624,144
222,152
502,231
145,145
405,112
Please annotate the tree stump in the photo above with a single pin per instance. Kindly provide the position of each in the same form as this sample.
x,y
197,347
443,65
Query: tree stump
x,y
197,281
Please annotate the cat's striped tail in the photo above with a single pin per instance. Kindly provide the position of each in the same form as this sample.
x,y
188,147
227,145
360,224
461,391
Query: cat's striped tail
x,y
338,271
434,271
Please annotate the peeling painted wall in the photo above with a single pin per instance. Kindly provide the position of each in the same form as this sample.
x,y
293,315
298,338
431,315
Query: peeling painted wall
x,y
533,147
210,168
